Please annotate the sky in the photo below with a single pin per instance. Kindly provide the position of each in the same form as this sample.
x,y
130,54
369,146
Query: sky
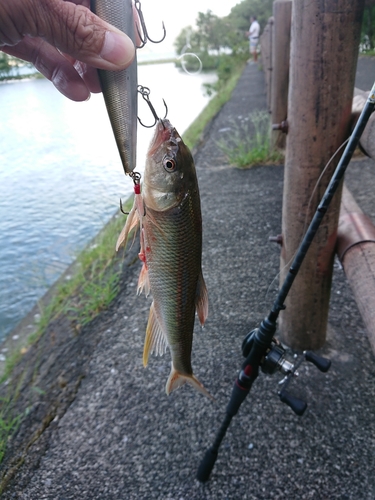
x,y
177,14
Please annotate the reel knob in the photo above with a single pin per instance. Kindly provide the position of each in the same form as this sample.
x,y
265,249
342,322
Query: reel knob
x,y
297,405
323,364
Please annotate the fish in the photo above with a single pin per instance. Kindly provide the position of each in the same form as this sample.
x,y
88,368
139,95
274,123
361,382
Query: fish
x,y
119,88
168,214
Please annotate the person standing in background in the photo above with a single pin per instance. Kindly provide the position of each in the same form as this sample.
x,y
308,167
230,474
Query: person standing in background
x,y
253,35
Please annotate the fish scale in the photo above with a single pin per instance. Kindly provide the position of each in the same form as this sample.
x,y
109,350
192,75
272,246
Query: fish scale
x,y
174,263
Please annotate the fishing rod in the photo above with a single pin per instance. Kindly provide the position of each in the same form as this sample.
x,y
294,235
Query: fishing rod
x,y
259,347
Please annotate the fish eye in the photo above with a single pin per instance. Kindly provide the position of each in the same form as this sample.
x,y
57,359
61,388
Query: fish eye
x,y
169,164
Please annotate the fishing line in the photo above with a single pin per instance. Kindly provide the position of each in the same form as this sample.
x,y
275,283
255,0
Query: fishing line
x,y
307,211
183,63
318,181
184,54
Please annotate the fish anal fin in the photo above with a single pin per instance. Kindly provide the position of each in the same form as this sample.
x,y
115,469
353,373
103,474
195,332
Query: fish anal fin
x,y
155,339
201,300
177,379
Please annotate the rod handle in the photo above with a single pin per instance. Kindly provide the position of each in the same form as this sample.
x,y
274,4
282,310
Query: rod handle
x,y
206,466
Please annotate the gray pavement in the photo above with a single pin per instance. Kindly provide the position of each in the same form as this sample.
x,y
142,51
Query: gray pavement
x,y
123,438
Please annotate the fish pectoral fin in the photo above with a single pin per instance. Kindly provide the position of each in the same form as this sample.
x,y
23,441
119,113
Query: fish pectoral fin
x,y
132,221
201,300
155,339
143,281
177,379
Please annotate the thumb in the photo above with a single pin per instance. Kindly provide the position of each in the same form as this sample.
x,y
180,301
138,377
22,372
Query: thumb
x,y
74,30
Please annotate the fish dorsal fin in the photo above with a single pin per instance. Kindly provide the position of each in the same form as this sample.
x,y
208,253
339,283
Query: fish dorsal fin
x,y
201,300
131,222
155,339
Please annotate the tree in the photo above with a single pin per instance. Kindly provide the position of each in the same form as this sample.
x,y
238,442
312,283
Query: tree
x,y
9,66
5,67
368,28
210,31
215,34
209,35
240,14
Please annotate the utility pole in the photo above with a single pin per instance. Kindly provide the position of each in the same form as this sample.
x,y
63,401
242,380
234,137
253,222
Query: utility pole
x,y
325,39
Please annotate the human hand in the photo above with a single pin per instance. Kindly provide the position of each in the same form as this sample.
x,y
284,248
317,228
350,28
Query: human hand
x,y
65,41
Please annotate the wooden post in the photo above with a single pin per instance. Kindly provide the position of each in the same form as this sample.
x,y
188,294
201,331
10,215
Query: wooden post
x,y
282,14
324,50
356,250
266,53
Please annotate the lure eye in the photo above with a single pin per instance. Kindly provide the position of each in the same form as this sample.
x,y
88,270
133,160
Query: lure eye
x,y
169,164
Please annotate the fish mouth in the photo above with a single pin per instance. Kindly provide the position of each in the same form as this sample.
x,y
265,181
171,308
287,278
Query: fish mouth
x,y
164,133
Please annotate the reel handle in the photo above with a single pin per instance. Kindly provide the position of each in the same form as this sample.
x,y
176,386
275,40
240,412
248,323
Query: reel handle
x,y
297,405
323,364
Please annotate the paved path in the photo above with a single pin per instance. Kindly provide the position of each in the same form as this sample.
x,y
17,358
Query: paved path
x,y
123,438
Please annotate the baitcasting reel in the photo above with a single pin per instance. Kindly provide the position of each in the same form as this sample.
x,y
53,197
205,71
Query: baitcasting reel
x,y
274,360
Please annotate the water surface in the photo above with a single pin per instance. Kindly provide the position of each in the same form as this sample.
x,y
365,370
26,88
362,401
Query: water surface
x,y
61,177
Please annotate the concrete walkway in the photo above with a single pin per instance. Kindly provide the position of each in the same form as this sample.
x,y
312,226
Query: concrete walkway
x,y
123,438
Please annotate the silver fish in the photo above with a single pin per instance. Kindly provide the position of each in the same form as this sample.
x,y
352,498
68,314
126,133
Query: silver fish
x,y
169,215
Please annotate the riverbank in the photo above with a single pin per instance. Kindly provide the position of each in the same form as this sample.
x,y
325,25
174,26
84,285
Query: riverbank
x,y
100,426
26,332
68,175
31,326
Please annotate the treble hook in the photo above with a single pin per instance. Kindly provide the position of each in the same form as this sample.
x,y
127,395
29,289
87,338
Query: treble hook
x,y
137,5
122,209
145,93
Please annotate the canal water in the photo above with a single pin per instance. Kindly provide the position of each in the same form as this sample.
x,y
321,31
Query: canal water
x,y
61,177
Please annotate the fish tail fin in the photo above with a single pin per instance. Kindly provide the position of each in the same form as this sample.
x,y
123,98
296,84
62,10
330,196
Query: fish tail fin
x,y
177,379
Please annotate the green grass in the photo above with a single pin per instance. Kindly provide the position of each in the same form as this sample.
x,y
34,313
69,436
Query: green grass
x,y
158,61
249,143
369,53
8,425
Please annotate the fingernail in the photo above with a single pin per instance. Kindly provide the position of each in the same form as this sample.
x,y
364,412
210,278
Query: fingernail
x,y
117,49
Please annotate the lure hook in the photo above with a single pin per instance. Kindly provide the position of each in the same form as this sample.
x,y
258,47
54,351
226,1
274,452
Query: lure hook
x,y
145,93
145,37
122,209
